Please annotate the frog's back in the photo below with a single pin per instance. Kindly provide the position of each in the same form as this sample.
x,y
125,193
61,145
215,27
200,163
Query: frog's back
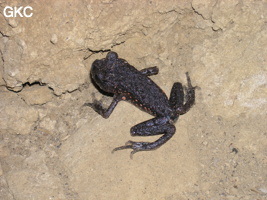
x,y
141,91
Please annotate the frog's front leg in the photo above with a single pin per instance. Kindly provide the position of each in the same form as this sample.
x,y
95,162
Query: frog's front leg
x,y
97,106
155,126
150,71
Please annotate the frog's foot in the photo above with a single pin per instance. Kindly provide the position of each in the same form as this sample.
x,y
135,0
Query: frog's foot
x,y
136,146
97,106
150,71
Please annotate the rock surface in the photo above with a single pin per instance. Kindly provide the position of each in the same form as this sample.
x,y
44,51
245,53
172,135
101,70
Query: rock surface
x,y
16,116
51,147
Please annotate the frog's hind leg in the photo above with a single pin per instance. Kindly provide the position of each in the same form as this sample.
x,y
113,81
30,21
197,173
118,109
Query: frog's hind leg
x,y
151,127
150,71
177,97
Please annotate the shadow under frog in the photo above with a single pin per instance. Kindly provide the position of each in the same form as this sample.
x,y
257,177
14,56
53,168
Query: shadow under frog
x,y
116,76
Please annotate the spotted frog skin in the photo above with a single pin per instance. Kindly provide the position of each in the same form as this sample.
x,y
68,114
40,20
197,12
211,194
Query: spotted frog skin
x,y
116,76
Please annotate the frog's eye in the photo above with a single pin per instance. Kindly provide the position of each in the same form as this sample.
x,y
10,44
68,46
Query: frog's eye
x,y
98,77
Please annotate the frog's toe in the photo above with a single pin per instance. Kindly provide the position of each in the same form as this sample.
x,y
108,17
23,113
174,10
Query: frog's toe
x,y
136,146
88,104
128,145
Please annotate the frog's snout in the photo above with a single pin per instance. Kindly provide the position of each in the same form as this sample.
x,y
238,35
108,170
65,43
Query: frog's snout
x,y
112,56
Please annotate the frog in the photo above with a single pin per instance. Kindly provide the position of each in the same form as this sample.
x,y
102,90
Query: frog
x,y
115,76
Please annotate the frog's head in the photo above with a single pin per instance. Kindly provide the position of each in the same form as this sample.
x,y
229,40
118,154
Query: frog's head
x,y
101,71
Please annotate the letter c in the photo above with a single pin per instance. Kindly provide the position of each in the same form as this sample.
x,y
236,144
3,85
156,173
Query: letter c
x,y
24,11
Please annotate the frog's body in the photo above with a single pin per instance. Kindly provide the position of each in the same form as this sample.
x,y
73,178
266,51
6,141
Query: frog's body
x,y
117,76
